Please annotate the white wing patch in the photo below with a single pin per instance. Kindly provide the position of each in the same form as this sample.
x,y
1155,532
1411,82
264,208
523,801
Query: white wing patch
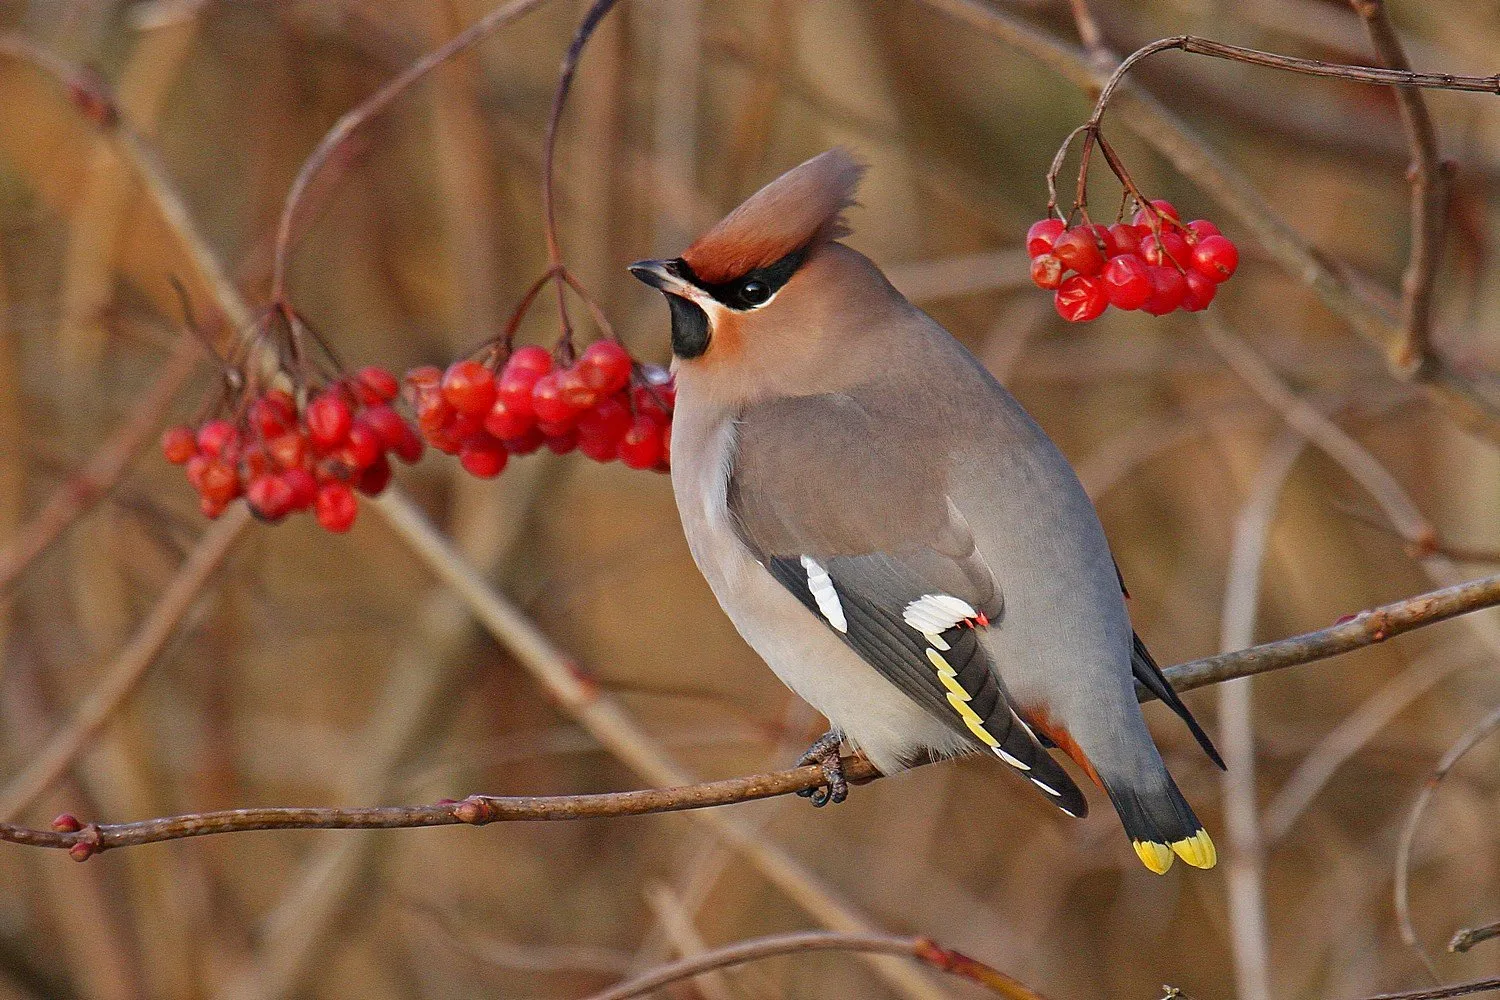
x,y
933,614
821,586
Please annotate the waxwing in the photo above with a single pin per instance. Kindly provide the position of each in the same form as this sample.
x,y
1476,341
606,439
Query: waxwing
x,y
890,530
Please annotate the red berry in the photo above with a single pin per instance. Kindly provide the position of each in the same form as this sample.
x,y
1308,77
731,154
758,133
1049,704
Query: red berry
x,y
506,421
561,444
196,466
218,438
434,412
361,450
288,451
1127,282
1078,251
409,449
178,444
267,419
1041,235
255,461
547,400
605,366
378,383
600,449
303,486
1167,290
336,506
653,400
1200,292
219,482
1201,229
526,443
1046,271
386,423
608,420
270,497
1171,249
533,359
1122,238
665,465
1080,299
1164,209
641,446
423,379
483,457
573,384
329,420
1216,258
469,387
374,478
212,508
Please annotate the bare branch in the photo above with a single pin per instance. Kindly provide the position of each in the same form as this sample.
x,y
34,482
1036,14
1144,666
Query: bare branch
x,y
1467,402
1485,727
1364,629
1470,936
1443,992
1430,180
356,118
122,676
923,950
102,471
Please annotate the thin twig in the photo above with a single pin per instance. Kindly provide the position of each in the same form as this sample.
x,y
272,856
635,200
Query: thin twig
x,y
1365,629
368,109
122,676
1465,400
924,950
1444,992
99,475
1489,724
1430,180
1468,937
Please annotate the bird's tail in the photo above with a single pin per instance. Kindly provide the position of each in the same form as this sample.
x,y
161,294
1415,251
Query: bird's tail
x,y
1159,822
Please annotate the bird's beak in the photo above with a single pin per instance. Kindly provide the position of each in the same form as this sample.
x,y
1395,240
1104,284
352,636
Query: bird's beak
x,y
664,275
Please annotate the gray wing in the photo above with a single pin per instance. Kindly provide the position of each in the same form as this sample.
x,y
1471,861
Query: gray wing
x,y
866,538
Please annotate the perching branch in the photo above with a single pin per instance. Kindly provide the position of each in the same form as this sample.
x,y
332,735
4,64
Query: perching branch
x,y
1364,629
924,950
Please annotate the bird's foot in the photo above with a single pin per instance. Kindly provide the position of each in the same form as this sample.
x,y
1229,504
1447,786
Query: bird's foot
x,y
825,754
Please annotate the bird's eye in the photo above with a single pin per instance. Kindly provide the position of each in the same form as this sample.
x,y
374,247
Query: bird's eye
x,y
755,292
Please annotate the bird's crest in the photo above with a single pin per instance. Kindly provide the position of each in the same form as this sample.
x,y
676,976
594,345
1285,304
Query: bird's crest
x,y
803,206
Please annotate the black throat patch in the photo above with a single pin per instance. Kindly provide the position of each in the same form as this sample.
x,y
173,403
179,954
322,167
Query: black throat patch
x,y
689,327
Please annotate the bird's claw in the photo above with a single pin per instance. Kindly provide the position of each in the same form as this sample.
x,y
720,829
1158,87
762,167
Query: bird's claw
x,y
825,754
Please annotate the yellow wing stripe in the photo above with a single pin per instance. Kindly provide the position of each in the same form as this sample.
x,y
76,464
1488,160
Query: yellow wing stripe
x,y
959,699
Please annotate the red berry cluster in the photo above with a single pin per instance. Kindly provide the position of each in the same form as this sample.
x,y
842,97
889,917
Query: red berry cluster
x,y
1155,263
484,416
282,461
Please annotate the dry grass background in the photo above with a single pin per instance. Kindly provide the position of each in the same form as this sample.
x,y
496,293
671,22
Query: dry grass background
x,y
330,670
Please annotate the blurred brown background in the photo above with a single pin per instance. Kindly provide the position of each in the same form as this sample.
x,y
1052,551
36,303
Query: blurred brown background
x,y
334,670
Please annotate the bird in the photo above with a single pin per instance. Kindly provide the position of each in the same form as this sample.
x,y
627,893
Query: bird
x,y
890,531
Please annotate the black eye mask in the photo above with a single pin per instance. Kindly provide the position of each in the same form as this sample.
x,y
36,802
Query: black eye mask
x,y
753,289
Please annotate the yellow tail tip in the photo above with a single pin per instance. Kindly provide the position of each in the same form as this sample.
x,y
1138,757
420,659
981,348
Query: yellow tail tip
x,y
1155,856
1197,850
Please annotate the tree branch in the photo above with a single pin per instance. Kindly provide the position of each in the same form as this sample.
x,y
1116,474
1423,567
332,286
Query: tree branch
x,y
1430,180
1364,629
924,950
1466,401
